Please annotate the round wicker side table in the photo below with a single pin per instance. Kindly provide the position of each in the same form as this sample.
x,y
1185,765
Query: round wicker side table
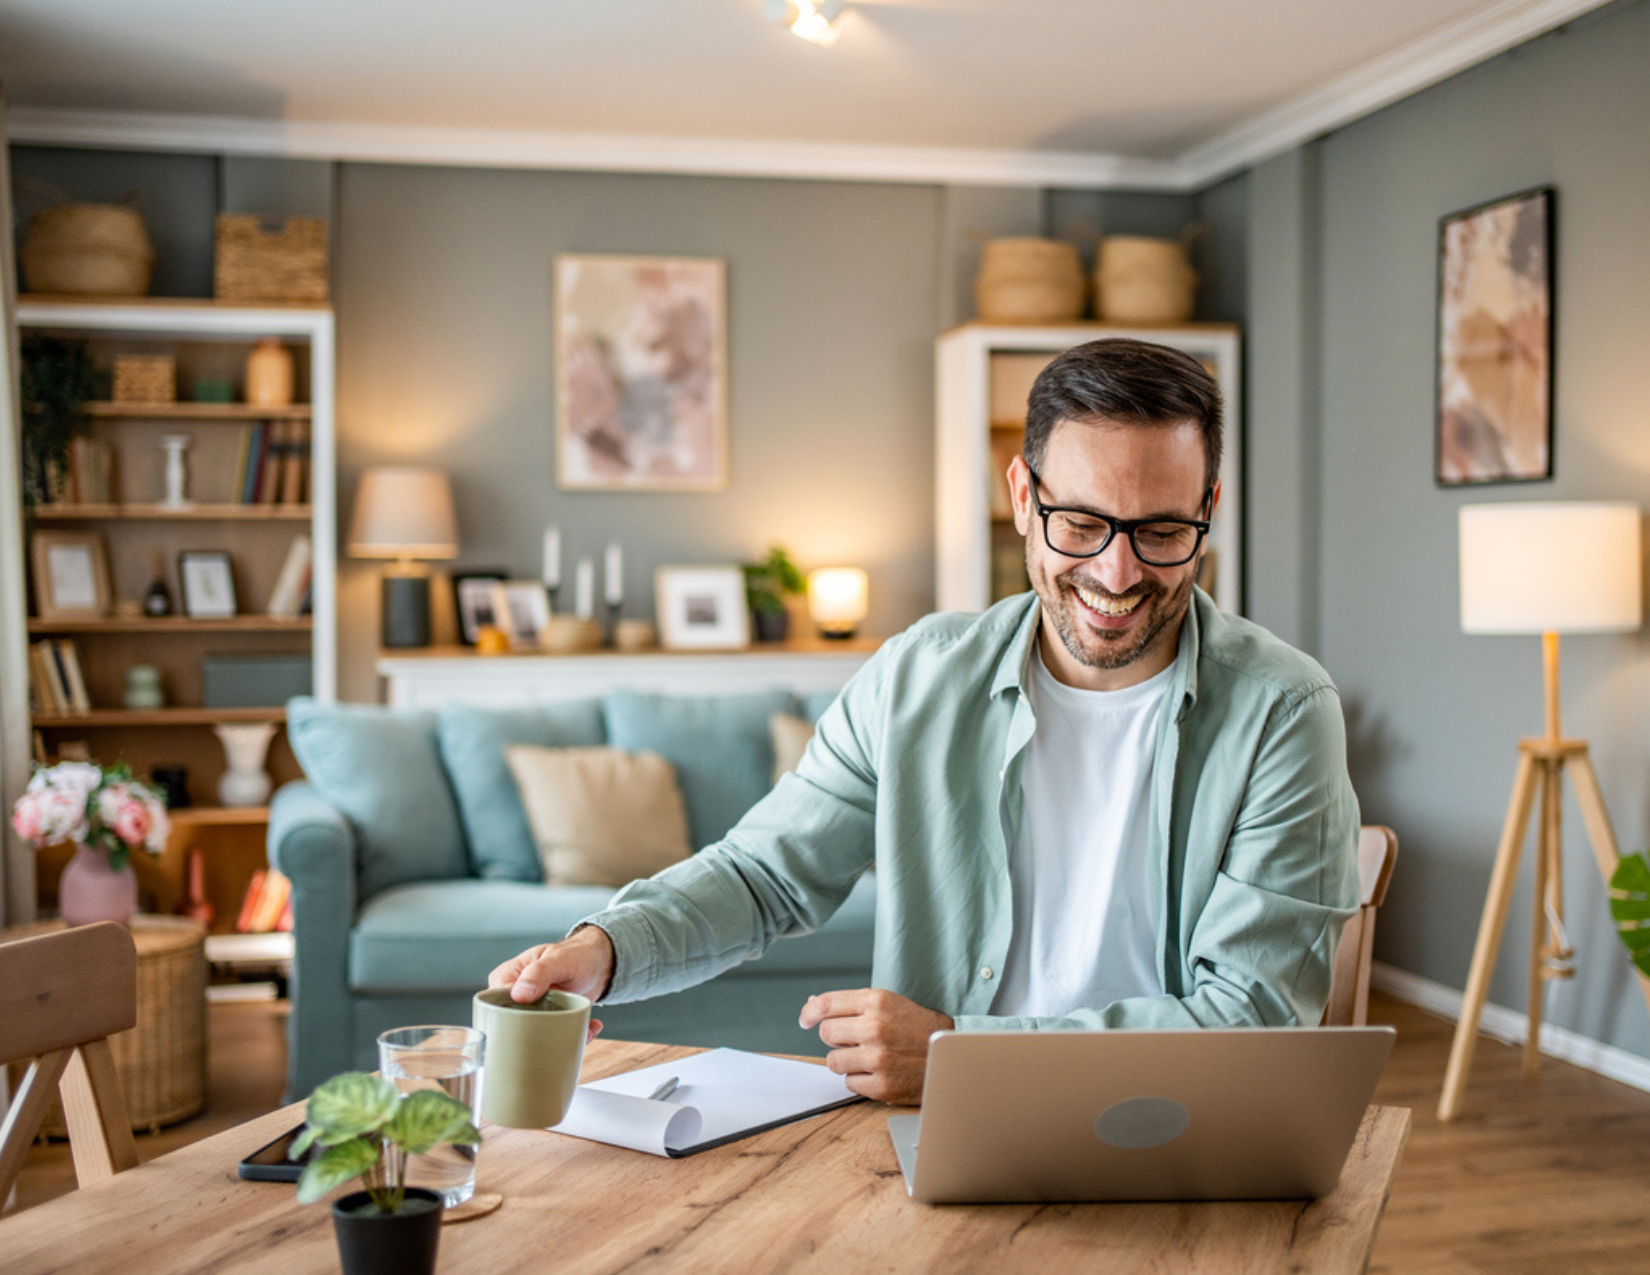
x,y
161,1061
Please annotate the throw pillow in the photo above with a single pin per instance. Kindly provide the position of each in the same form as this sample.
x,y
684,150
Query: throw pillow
x,y
790,735
600,816
380,766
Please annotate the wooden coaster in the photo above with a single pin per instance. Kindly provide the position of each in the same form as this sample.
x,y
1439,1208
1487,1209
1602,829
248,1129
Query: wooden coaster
x,y
478,1205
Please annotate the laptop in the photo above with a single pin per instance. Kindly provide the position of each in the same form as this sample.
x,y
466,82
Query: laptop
x,y
1211,1114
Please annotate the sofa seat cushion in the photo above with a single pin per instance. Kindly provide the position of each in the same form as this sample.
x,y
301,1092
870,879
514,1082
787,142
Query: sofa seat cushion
x,y
718,744
447,936
382,769
473,741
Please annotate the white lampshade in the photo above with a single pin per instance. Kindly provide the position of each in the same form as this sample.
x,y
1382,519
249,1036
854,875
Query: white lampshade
x,y
404,511
838,598
1570,567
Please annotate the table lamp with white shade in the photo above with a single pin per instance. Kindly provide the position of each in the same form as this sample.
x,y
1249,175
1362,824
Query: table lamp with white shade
x,y
1547,568
404,512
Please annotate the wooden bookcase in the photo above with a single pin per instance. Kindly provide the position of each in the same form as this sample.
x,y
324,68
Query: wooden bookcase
x,y
208,340
983,375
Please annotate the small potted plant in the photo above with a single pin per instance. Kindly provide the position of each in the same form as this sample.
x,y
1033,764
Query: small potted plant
x,y
767,584
105,814
57,378
1630,907
367,1128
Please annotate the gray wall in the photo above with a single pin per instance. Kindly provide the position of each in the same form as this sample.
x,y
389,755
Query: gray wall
x,y
1355,548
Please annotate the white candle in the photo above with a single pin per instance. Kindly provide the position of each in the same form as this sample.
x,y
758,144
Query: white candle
x,y
584,589
552,557
613,576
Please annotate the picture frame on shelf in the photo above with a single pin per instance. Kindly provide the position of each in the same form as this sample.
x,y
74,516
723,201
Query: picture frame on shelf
x,y
71,575
473,608
1495,342
641,373
522,609
207,578
701,608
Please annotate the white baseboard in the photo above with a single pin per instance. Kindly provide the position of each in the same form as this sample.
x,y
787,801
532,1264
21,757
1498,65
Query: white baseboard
x,y
1510,1026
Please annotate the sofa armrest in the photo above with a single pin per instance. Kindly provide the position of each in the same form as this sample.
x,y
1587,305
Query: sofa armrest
x,y
314,846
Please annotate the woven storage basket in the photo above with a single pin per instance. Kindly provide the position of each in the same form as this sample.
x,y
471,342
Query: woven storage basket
x,y
145,378
1142,280
250,263
88,249
162,1061
1029,281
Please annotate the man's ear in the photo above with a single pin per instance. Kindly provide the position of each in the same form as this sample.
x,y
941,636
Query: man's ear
x,y
1019,491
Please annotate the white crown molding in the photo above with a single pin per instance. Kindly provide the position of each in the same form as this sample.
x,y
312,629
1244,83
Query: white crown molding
x,y
1510,1027
488,148
1407,70
1417,65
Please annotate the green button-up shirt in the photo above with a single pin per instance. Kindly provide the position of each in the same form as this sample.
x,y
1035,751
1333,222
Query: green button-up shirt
x,y
917,768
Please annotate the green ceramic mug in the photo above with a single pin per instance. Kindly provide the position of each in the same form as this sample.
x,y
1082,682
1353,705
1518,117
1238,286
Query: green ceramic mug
x,y
534,1052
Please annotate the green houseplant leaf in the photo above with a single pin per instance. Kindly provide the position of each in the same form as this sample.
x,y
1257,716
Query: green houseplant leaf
x,y
1630,907
334,1167
427,1119
350,1105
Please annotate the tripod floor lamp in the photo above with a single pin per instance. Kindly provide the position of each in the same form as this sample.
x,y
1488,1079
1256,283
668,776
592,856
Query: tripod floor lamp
x,y
1572,567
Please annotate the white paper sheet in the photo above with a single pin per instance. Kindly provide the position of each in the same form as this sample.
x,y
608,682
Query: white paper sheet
x,y
720,1095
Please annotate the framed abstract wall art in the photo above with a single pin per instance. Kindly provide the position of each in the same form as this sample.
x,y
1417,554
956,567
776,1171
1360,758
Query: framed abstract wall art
x,y
1495,342
641,373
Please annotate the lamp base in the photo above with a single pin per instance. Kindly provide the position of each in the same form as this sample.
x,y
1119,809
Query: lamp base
x,y
405,610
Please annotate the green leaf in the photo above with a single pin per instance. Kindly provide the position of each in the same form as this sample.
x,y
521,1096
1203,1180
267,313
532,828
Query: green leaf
x,y
350,1105
1630,907
334,1167
302,1143
429,1118
1632,875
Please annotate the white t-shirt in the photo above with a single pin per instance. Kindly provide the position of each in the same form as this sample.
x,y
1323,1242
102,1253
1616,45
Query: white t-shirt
x,y
1085,921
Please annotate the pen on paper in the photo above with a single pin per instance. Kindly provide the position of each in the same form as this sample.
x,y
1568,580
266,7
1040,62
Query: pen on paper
x,y
663,1091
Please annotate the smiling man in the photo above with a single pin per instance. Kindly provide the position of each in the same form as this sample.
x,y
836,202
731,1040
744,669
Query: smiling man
x,y
1102,804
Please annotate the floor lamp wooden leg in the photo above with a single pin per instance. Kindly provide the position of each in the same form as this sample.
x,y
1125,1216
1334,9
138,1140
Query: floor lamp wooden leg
x,y
1548,839
1603,837
1489,934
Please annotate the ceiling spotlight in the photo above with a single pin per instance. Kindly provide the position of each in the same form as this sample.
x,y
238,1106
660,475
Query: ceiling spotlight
x,y
817,21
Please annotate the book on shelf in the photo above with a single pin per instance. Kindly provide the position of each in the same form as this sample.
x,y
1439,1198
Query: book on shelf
x,y
267,902
42,681
269,474
91,472
252,460
293,582
294,462
56,683
249,902
68,659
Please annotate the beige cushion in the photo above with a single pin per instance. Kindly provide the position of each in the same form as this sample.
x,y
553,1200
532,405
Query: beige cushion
x,y
600,816
790,735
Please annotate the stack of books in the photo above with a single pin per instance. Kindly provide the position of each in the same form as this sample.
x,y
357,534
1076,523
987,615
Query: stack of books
x,y
267,907
274,463
56,685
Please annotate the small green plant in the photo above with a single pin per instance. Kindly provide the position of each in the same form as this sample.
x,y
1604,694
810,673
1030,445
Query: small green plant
x,y
769,581
367,1129
57,378
1630,906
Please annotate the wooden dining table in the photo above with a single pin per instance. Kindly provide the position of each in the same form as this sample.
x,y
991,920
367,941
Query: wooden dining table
x,y
824,1194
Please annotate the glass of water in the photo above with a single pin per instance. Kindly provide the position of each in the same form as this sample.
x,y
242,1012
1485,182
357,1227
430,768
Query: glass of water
x,y
448,1059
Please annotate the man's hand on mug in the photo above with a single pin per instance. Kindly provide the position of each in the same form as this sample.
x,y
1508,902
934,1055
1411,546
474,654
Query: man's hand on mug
x,y
581,964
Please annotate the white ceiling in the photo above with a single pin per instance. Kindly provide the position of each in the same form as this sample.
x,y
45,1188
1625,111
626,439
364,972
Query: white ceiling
x,y
1101,92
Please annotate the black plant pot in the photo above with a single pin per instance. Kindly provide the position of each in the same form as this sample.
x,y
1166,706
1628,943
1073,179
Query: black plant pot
x,y
772,626
399,1243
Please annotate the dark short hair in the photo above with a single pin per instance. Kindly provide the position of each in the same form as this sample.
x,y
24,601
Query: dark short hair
x,y
1129,382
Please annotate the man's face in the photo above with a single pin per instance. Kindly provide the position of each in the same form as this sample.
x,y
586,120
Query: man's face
x,y
1111,621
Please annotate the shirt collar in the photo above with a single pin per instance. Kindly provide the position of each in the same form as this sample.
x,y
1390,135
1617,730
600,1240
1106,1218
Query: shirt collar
x,y
1013,667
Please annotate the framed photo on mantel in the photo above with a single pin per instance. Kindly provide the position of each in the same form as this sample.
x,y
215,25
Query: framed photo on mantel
x,y
1495,342
641,373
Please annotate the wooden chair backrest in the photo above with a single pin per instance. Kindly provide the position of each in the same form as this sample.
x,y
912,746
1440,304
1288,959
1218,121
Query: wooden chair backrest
x,y
61,997
1349,984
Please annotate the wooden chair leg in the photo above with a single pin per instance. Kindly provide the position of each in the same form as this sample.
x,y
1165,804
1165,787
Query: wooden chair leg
x,y
28,1108
99,1133
1494,920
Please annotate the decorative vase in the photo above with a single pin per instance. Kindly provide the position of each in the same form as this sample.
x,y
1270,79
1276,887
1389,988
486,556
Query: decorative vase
x,y
269,374
90,890
399,1243
245,744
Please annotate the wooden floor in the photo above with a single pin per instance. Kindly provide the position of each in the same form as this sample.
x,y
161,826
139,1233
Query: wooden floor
x,y
1549,1178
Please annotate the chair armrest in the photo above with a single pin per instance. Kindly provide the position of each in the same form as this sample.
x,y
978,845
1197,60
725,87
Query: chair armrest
x,y
313,845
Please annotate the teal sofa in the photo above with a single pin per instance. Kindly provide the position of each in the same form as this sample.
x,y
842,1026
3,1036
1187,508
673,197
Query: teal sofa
x,y
414,871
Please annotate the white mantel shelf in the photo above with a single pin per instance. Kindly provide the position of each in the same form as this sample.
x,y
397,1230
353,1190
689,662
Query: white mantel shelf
x,y
435,676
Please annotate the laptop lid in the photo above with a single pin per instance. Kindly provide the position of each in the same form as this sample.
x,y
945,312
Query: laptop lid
x,y
1211,1114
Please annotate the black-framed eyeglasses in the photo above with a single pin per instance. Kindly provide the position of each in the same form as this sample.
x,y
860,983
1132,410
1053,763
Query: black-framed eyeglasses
x,y
1083,533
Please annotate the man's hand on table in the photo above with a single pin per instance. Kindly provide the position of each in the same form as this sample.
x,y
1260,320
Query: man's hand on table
x,y
582,964
878,1040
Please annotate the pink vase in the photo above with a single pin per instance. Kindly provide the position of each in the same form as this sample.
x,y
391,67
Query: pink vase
x,y
90,890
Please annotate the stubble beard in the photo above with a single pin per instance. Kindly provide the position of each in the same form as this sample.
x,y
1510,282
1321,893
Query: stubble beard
x,y
1159,609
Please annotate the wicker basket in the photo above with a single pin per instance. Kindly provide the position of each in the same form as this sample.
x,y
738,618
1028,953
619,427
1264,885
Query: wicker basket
x,y
1142,280
254,264
145,378
88,249
1029,281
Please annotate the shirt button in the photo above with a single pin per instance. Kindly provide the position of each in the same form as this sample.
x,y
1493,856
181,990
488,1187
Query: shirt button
x,y
985,971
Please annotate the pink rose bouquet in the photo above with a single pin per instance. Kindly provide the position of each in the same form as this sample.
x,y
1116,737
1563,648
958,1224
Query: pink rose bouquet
x,y
84,803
